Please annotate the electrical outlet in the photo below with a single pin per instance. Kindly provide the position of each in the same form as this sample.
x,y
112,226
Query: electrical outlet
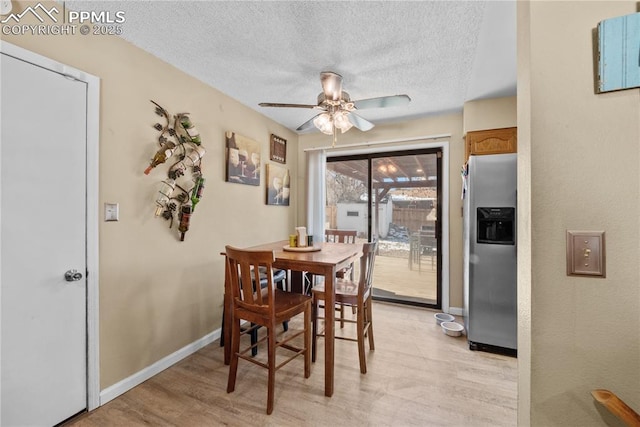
x,y
585,253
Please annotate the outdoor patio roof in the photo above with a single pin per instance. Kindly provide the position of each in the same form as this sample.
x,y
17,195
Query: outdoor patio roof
x,y
393,172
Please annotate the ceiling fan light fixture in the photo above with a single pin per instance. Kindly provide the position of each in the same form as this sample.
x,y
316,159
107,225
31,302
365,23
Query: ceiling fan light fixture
x,y
341,121
338,110
324,123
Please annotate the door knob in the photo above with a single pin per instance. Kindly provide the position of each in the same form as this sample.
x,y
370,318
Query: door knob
x,y
72,276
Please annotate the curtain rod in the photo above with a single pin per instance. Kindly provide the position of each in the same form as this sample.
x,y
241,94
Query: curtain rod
x,y
372,143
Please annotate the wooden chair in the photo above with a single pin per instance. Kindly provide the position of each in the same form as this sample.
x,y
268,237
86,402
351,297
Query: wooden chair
x,y
342,236
264,307
280,278
356,294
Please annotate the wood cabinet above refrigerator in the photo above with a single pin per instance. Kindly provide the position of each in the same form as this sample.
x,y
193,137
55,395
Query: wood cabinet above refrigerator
x,y
491,141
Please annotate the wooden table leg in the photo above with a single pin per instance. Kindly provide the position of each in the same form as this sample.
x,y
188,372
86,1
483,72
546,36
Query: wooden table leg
x,y
329,332
297,282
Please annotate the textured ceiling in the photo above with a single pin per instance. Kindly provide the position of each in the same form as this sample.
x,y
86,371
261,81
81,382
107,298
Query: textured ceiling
x,y
440,53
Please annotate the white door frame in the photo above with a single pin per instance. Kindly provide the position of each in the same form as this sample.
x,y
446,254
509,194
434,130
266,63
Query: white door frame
x,y
93,211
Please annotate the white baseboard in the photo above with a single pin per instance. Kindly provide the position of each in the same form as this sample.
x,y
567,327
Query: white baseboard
x,y
138,378
456,311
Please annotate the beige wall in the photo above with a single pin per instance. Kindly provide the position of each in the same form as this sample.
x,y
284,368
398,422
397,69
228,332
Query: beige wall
x,y
436,125
493,113
158,294
583,151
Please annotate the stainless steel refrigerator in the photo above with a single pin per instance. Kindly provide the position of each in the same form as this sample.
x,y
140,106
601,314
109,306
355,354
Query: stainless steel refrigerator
x,y
490,280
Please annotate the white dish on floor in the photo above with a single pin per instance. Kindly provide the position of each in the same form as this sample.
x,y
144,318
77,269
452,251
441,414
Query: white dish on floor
x,y
453,329
443,317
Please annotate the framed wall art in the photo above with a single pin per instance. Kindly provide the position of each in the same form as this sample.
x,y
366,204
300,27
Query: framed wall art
x,y
617,57
242,159
278,147
278,185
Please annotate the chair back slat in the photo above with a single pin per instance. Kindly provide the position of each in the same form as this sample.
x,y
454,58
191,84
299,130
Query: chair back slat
x,y
244,274
367,262
340,236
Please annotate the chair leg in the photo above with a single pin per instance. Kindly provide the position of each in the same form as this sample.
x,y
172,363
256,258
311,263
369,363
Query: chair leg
x,y
222,329
369,312
341,316
235,348
271,342
314,327
307,341
360,330
282,285
254,339
352,277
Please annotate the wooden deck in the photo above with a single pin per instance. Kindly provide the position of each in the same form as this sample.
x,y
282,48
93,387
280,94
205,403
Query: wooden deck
x,y
392,278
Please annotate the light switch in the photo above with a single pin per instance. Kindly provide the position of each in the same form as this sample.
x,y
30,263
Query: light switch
x,y
111,211
585,253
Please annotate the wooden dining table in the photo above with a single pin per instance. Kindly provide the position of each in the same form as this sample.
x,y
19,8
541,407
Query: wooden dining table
x,y
331,258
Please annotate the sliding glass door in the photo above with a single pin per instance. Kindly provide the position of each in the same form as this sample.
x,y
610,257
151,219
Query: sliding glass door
x,y
393,197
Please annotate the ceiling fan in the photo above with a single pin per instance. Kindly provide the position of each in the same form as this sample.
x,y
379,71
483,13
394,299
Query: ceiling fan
x,y
338,108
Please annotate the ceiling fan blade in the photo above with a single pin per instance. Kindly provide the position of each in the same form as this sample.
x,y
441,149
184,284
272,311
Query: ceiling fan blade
x,y
275,104
308,124
383,101
362,124
331,85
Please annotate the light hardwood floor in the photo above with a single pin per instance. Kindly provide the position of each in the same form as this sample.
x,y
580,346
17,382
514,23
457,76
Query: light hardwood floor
x,y
416,376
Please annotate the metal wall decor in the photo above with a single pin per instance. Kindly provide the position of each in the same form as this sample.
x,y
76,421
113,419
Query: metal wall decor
x,y
278,147
182,190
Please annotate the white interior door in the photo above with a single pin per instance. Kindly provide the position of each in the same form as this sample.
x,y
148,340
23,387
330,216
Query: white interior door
x,y
43,220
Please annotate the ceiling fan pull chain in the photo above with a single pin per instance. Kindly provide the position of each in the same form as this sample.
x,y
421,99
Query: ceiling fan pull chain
x,y
335,137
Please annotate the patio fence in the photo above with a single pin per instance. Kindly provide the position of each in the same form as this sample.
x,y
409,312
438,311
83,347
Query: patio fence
x,y
411,218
